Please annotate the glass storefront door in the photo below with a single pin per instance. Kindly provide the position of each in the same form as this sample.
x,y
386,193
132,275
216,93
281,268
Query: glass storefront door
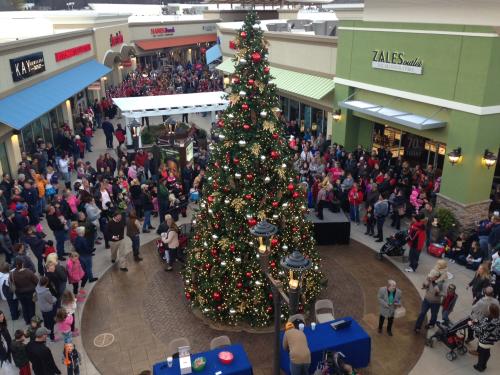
x,y
4,159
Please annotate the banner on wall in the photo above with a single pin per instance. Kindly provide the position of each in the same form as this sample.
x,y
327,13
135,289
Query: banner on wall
x,y
213,53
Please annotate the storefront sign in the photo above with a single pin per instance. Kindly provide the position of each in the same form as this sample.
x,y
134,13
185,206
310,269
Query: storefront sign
x,y
116,39
96,86
393,60
162,31
27,66
208,28
72,52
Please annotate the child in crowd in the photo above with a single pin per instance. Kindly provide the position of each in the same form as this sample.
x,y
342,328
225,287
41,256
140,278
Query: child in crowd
x,y
18,349
370,221
68,303
76,274
64,322
71,359
36,322
72,232
448,303
457,249
49,249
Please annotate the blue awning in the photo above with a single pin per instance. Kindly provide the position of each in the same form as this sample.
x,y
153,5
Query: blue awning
x,y
19,109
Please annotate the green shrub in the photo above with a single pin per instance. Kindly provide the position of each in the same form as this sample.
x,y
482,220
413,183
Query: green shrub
x,y
147,137
446,220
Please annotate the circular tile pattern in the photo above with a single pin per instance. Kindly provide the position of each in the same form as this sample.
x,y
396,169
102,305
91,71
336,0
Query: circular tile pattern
x,y
103,340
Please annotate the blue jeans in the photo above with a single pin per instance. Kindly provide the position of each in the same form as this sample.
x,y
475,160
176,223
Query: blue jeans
x,y
60,236
426,306
354,211
299,368
445,314
88,143
86,262
147,220
136,243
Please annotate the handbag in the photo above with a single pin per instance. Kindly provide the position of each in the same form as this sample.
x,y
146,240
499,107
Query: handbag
x,y
399,312
402,210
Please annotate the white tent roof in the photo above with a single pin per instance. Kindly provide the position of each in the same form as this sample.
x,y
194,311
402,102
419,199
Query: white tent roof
x,y
147,106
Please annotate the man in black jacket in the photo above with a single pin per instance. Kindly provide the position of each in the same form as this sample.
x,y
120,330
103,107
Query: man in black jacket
x,y
60,232
115,231
40,356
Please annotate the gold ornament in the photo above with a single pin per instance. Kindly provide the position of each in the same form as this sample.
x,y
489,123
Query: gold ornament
x,y
269,126
234,98
282,174
224,243
238,204
262,215
256,149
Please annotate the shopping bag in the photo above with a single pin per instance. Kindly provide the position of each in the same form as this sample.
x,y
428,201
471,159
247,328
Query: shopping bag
x,y
399,312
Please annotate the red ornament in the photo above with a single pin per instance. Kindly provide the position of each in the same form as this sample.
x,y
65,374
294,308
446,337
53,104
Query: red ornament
x,y
216,226
236,160
269,309
249,274
251,82
216,296
244,106
267,70
188,296
248,196
239,285
232,44
256,57
208,266
211,199
236,79
232,248
249,177
275,154
219,307
272,264
296,194
274,242
215,185
290,187
276,135
214,252
252,222
243,34
275,204
221,123
216,165
270,296
295,229
246,126
197,237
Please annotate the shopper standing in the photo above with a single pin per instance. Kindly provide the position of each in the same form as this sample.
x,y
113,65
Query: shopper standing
x,y
25,282
389,298
40,356
486,330
295,342
115,230
109,130
431,301
416,241
133,232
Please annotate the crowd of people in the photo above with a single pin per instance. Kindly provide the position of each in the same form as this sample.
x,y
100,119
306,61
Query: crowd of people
x,y
176,79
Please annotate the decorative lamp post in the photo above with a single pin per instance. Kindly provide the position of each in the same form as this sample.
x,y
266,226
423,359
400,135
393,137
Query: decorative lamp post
x,y
296,264
134,135
264,231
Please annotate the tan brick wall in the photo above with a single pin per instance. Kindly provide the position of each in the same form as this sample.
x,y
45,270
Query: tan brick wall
x,y
467,215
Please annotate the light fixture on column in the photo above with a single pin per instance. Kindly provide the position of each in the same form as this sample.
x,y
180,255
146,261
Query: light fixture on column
x,y
489,158
337,115
455,156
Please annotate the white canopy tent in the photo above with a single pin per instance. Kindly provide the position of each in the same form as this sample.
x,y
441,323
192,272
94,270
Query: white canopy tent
x,y
167,105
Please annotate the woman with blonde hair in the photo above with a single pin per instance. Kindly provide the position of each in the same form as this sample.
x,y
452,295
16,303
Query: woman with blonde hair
x,y
441,266
482,279
171,240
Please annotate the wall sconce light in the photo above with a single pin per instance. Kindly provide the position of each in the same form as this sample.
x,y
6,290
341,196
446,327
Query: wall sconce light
x,y
226,81
337,115
489,159
455,156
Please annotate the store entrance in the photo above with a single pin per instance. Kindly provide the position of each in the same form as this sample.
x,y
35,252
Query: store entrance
x,y
411,147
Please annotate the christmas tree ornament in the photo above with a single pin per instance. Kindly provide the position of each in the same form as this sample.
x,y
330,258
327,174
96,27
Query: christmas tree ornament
x,y
221,123
275,154
249,274
267,70
237,260
295,195
222,136
252,222
283,166
225,167
211,199
269,309
246,127
251,82
267,179
236,80
263,114
272,264
275,217
249,177
262,157
266,57
244,106
232,44
214,236
290,187
276,135
243,34
208,266
237,176
284,247
248,197
239,285
232,248
227,201
242,143
256,57
216,296
275,204
243,93
231,116
243,61
188,296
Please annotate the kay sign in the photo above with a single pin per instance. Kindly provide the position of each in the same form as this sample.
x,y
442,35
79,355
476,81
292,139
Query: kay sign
x,y
27,66
396,61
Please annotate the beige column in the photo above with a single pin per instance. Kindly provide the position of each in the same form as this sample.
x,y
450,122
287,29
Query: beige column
x,y
12,145
329,124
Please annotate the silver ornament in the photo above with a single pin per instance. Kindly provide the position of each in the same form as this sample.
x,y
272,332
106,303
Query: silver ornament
x,y
285,247
275,217
243,61
237,176
225,167
227,201
222,136
242,143
214,236
262,157
230,115
267,179
263,114
243,93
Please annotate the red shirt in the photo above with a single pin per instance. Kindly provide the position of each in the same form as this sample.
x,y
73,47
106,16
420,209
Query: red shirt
x,y
355,197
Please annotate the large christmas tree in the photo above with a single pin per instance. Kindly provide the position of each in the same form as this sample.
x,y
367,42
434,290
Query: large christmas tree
x,y
249,178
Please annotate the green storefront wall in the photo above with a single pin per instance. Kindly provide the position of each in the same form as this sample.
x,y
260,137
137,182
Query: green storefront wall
x,y
455,67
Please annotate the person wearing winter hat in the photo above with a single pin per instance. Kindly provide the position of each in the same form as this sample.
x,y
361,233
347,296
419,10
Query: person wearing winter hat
x,y
431,301
39,355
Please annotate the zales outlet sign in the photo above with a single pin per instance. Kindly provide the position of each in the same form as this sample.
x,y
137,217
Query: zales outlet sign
x,y
397,61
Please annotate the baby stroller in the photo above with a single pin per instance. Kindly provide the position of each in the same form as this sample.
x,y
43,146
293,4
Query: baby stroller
x,y
394,245
452,336
333,363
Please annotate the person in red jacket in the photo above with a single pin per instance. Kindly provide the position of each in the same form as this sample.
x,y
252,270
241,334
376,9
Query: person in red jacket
x,y
355,198
416,240
140,158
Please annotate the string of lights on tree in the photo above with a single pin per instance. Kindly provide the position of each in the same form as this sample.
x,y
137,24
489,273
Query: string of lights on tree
x,y
249,178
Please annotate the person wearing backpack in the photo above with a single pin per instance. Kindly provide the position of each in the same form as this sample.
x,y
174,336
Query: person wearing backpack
x,y
380,211
6,292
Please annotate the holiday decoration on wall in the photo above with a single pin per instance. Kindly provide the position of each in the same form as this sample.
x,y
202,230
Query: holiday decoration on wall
x,y
250,179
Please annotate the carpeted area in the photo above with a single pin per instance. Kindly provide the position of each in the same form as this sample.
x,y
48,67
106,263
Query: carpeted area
x,y
145,308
